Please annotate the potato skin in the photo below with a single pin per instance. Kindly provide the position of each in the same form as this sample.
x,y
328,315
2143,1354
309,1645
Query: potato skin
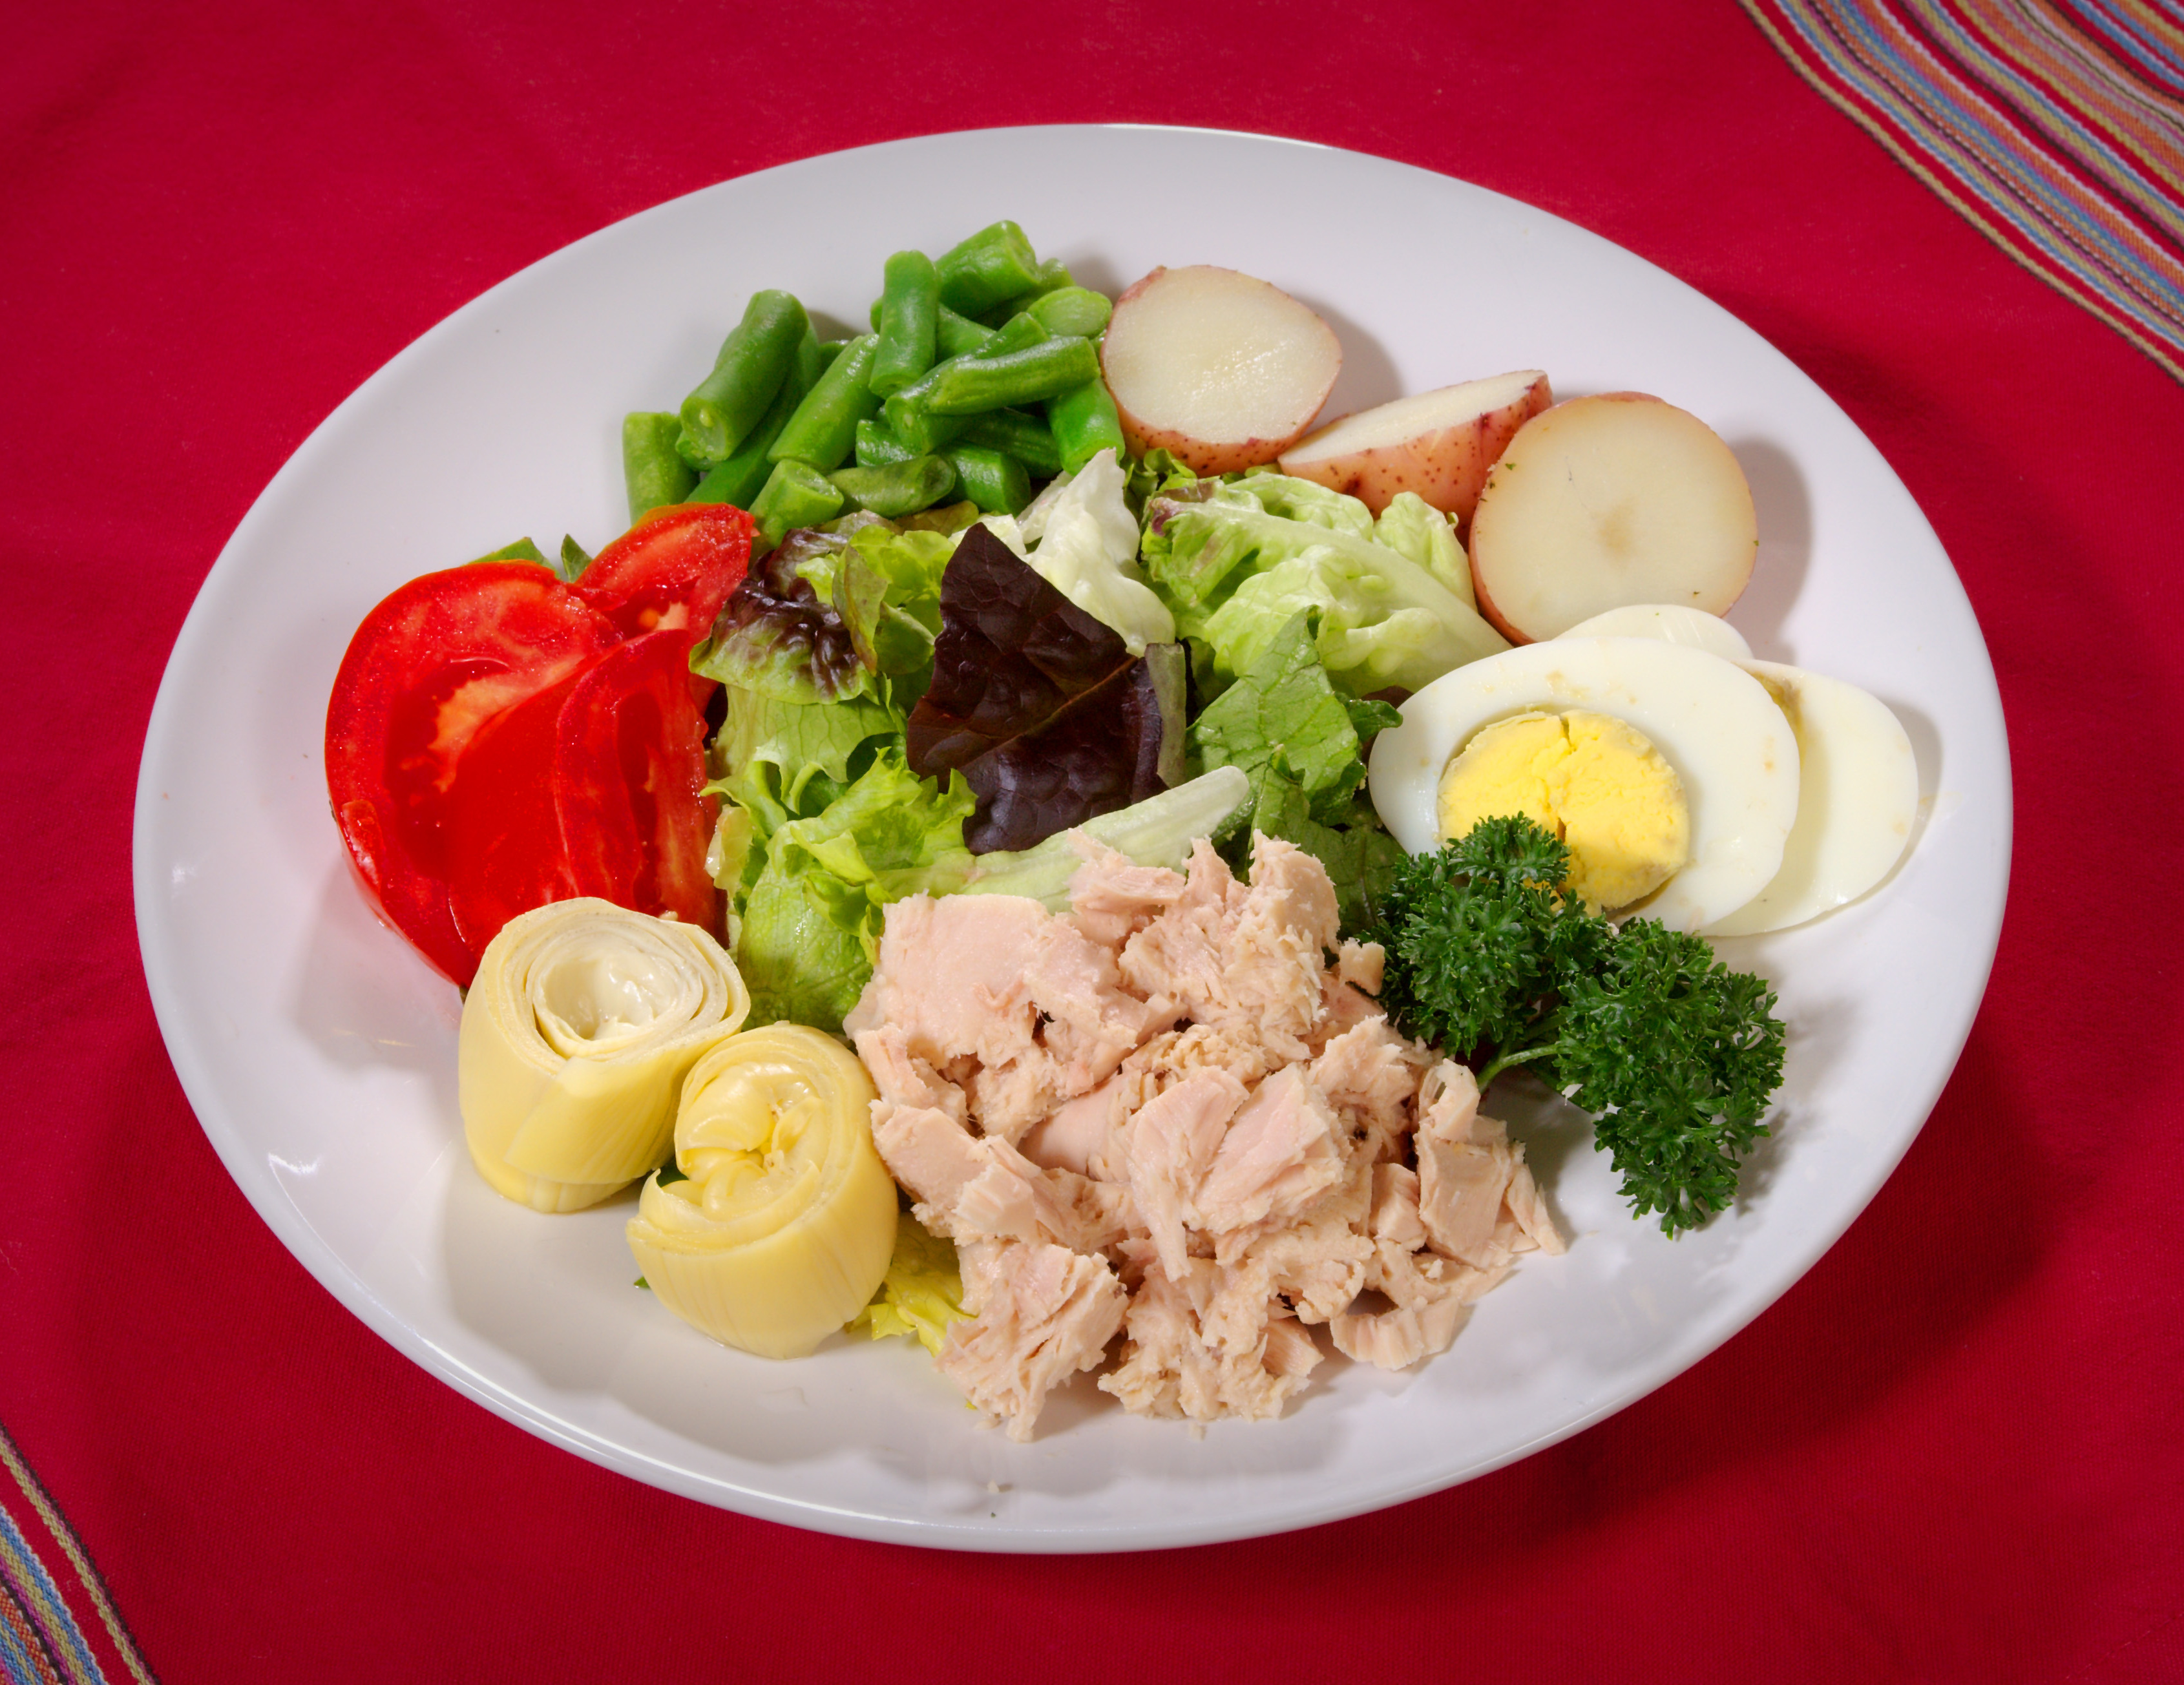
x,y
1203,456
1445,465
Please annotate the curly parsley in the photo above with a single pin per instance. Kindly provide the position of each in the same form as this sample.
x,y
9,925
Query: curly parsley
x,y
1674,1055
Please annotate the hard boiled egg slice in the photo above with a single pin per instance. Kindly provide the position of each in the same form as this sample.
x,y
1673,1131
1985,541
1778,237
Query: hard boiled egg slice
x,y
1727,741
1671,623
1857,798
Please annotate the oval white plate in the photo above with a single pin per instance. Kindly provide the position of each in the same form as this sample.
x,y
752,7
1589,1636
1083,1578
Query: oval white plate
x,y
320,1054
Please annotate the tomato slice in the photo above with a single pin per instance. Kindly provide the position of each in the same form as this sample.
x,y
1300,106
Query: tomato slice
x,y
430,665
591,787
674,569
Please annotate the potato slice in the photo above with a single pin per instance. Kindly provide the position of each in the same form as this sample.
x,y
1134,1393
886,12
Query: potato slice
x,y
1603,501
1439,444
1224,370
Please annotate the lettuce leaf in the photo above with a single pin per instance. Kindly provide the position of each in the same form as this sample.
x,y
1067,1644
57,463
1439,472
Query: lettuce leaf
x,y
813,913
1417,530
1301,744
922,1293
1086,547
1234,570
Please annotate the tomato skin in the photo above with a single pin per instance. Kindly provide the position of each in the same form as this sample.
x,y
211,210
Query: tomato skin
x,y
674,569
429,667
590,787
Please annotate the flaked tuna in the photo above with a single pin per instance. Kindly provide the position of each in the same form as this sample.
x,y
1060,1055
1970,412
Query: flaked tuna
x,y
1045,1313
1176,1112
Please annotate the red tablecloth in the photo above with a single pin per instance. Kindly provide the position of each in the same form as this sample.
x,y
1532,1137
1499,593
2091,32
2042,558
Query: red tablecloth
x,y
1951,1451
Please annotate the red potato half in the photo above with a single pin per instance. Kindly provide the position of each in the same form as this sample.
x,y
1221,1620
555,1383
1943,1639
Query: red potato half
x,y
1224,370
1604,502
1439,444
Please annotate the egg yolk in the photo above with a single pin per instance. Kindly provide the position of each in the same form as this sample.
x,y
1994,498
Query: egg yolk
x,y
1592,780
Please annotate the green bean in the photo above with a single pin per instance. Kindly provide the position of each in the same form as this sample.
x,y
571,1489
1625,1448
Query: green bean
x,y
898,489
823,430
959,334
1026,437
796,494
994,479
754,361
910,413
651,472
739,479
910,421
1053,275
970,385
1071,310
877,447
1084,423
991,267
909,318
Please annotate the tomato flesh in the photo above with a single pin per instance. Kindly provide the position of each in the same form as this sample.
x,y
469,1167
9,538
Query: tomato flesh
x,y
428,669
673,569
591,787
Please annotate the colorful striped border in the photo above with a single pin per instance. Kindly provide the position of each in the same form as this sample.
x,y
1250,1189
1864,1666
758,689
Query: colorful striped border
x,y
2055,126
43,1638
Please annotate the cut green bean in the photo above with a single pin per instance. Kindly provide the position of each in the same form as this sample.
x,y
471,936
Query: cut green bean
x,y
1053,275
740,478
910,413
948,519
1028,438
754,360
1084,422
971,385
651,472
994,265
796,494
957,334
910,320
823,430
898,489
1071,310
993,480
915,426
877,447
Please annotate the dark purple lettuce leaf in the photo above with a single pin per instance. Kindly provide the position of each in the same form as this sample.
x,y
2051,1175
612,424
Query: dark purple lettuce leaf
x,y
1040,705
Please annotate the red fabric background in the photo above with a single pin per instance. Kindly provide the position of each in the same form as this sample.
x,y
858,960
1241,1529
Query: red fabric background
x,y
1949,1453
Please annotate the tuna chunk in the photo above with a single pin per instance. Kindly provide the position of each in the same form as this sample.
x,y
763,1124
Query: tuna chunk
x,y
1112,897
950,977
1170,1369
1398,1336
978,1188
1045,1314
1282,1151
1173,1140
1248,958
905,1079
1370,1075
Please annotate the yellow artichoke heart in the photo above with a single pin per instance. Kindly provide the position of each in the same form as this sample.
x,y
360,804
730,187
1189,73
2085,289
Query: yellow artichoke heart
x,y
783,1227
578,1030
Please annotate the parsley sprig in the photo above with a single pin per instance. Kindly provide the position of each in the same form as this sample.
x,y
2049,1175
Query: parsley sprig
x,y
1674,1055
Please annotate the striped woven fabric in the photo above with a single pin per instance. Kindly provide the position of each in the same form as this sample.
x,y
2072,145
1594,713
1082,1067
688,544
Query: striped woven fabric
x,y
58,1625
2057,128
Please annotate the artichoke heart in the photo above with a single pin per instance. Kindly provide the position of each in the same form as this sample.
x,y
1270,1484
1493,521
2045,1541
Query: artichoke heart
x,y
785,1222
578,1030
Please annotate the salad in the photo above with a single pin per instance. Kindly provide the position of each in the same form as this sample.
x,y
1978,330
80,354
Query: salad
x,y
1012,769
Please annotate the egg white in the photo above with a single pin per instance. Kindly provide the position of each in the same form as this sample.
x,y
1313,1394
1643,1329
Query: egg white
x,y
1713,722
1857,798
1671,623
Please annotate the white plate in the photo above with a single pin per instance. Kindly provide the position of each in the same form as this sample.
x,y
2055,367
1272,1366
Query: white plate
x,y
320,1054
